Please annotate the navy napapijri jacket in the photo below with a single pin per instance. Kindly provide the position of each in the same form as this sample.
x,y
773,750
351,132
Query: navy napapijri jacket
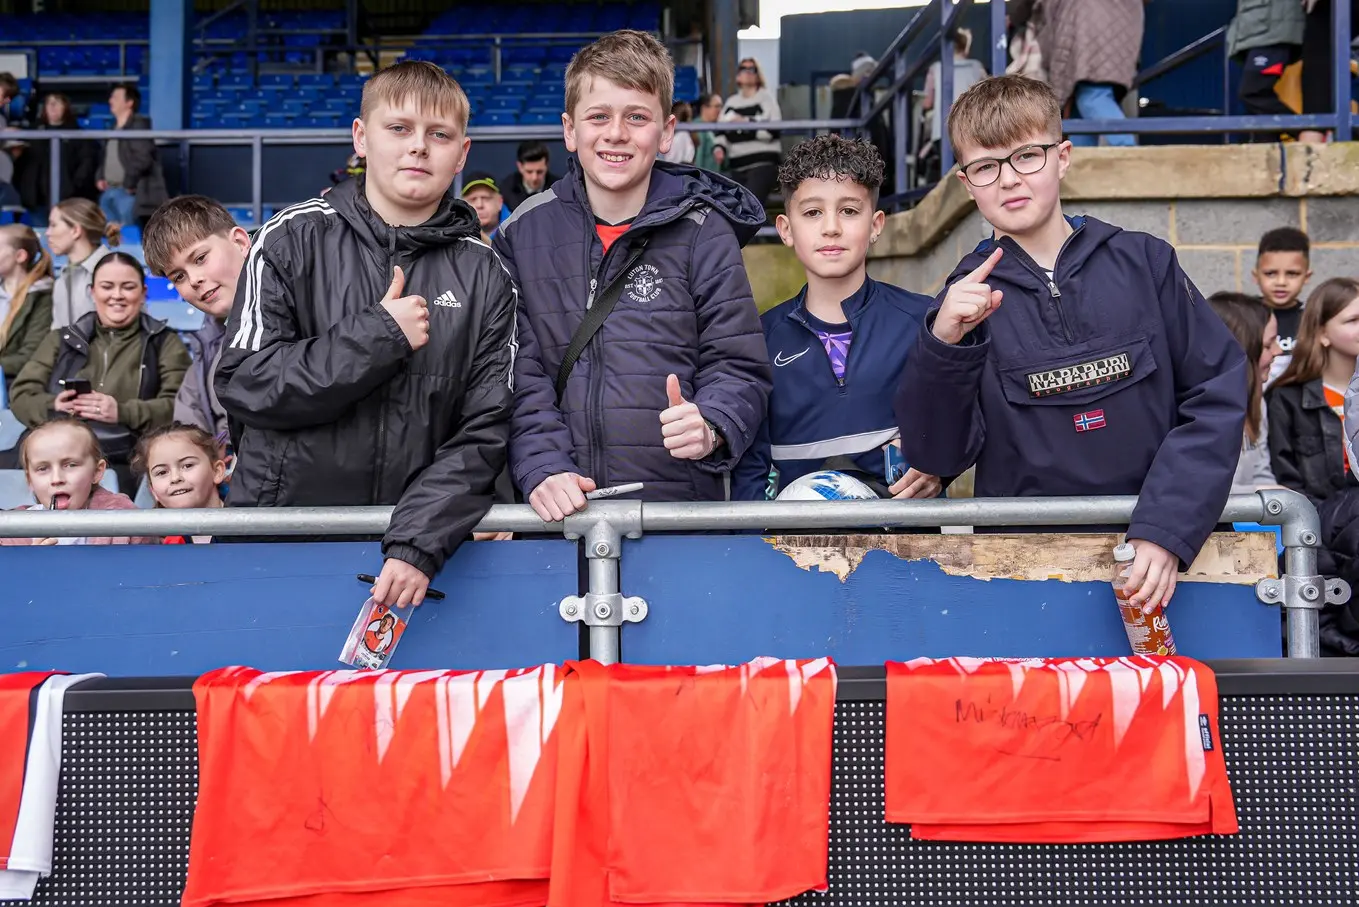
x,y
686,308
1113,376
817,421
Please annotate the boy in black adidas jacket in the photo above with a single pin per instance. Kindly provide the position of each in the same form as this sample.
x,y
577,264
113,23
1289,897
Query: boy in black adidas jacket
x,y
1070,357
343,384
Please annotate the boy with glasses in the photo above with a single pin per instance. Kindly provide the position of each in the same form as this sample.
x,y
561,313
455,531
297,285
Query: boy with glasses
x,y
1071,357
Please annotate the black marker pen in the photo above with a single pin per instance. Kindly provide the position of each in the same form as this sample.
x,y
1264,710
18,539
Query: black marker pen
x,y
433,594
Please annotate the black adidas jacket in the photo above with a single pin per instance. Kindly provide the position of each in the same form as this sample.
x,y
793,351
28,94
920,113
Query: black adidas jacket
x,y
328,403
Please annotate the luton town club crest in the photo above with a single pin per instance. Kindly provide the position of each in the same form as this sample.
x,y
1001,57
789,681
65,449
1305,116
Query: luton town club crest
x,y
644,283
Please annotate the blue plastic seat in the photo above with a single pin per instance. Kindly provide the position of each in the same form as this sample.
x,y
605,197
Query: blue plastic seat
x,y
176,313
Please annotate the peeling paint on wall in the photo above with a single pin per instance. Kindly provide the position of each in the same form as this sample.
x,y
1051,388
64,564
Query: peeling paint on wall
x,y
1236,558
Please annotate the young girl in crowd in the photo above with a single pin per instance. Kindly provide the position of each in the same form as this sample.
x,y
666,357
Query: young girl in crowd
x,y
1256,329
75,229
25,297
1306,403
185,468
64,466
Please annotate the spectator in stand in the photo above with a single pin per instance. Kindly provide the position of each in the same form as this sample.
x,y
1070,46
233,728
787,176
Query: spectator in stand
x,y
134,365
79,163
1090,48
183,465
1051,385
64,466
9,90
531,174
77,228
25,297
195,243
1282,269
708,151
752,155
130,177
1318,61
682,150
1257,331
1307,402
1265,36
668,379
481,192
966,73
372,339
9,195
822,413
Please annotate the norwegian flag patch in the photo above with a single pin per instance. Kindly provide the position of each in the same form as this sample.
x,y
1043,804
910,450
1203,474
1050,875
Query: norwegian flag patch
x,y
1089,421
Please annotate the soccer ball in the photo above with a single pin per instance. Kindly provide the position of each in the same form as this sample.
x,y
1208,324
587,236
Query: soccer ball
x,y
827,486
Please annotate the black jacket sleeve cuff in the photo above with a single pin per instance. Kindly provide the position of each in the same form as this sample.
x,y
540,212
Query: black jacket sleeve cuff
x,y
413,556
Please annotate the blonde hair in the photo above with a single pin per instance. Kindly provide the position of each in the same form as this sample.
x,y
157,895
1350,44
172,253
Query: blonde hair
x,y
630,58
424,83
22,239
89,218
759,70
1003,111
71,422
180,223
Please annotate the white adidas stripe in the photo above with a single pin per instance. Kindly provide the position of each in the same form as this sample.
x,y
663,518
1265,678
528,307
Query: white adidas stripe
x,y
250,335
514,323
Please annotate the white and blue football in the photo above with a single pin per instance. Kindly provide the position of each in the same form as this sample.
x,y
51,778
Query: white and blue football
x,y
827,486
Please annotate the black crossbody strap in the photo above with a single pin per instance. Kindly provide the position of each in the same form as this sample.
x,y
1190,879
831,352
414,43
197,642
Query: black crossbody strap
x,y
594,320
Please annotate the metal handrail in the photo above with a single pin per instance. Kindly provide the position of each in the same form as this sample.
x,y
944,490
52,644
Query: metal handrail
x,y
604,525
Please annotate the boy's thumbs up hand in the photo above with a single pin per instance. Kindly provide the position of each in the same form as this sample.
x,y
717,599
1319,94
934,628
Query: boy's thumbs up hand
x,y
687,435
411,312
968,303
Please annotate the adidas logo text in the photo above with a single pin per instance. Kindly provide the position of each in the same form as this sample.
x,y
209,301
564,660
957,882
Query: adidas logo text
x,y
446,298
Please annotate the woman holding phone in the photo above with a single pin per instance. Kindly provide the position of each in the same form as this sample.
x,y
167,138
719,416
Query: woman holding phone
x,y
116,368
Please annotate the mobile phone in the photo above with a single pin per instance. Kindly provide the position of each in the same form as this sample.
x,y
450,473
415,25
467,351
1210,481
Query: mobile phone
x,y
79,385
894,465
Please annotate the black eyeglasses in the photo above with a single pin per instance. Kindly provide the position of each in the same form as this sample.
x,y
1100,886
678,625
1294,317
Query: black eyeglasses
x,y
986,170
746,68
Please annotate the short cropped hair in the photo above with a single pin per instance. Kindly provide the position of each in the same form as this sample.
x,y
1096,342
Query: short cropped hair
x,y
179,223
832,157
132,93
633,59
1285,239
9,86
430,88
531,150
1004,111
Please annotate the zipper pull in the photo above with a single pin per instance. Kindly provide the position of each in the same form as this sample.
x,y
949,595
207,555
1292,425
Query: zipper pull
x,y
1052,288
590,301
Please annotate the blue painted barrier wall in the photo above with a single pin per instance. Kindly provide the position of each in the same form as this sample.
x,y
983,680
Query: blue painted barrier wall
x,y
751,599
183,610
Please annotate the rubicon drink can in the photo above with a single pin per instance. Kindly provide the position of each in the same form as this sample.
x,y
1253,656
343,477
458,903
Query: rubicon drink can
x,y
1148,634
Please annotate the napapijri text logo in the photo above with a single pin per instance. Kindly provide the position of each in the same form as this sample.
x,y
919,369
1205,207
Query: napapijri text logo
x,y
1084,374
644,283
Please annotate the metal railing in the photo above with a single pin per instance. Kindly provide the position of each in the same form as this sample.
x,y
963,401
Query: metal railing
x,y
605,524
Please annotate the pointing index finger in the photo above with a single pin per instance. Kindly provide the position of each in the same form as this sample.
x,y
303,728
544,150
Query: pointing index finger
x,y
983,270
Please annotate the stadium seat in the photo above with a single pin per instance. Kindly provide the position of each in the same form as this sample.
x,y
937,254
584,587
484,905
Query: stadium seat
x,y
10,430
176,313
160,289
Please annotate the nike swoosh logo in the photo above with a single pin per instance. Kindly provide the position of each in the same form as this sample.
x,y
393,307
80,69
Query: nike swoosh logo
x,y
781,361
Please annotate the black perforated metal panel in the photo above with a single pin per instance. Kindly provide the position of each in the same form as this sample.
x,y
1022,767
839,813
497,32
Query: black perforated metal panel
x,y
124,810
129,781
1294,766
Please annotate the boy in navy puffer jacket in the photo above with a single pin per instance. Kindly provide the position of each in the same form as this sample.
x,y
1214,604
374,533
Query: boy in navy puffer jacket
x,y
672,388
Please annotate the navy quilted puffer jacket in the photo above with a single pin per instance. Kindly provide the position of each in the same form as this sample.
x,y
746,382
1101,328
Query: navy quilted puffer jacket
x,y
686,308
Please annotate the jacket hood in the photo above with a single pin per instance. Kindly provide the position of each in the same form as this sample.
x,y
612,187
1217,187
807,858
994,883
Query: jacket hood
x,y
1016,268
452,221
41,285
675,189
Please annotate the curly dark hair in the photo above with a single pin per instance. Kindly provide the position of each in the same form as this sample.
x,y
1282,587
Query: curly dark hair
x,y
831,157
